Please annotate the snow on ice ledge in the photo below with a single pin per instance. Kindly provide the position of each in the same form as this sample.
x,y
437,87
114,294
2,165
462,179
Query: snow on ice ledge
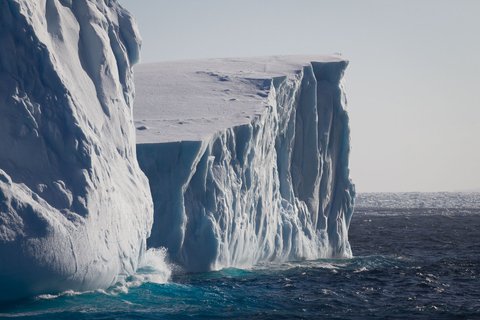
x,y
247,159
75,208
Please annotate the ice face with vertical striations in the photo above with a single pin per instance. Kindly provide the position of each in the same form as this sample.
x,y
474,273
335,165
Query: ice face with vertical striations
x,y
247,159
75,208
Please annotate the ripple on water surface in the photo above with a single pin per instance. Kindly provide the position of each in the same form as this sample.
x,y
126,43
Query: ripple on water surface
x,y
405,266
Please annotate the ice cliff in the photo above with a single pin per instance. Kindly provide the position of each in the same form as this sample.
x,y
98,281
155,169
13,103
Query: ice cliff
x,y
75,208
247,159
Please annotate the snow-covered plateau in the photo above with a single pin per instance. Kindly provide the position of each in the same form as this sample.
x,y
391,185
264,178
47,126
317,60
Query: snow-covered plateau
x,y
247,159
75,208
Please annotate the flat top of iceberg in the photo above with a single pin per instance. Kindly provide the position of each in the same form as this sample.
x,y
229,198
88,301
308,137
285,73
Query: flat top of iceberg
x,y
191,100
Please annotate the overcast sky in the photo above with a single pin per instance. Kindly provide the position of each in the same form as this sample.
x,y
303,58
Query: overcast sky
x,y
413,81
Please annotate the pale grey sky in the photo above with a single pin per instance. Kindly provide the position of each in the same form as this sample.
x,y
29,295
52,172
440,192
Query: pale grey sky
x,y
413,82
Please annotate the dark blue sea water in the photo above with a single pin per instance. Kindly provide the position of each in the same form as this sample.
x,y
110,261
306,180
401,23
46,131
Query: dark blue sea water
x,y
410,263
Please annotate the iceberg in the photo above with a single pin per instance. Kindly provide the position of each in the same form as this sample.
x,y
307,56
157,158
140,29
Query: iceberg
x,y
247,159
75,208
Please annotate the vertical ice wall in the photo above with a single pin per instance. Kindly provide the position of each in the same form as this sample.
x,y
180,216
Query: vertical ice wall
x,y
274,189
75,209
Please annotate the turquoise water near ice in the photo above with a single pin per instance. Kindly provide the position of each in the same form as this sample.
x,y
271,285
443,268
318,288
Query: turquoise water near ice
x,y
409,264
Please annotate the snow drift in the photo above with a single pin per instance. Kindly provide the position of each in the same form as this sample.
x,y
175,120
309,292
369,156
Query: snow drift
x,y
247,159
75,209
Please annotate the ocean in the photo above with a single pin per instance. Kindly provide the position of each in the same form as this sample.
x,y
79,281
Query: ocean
x,y
416,256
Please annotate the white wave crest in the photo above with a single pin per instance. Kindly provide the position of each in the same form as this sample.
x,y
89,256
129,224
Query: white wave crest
x,y
153,269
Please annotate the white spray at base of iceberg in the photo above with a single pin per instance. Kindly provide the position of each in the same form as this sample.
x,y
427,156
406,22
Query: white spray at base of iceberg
x,y
152,269
273,188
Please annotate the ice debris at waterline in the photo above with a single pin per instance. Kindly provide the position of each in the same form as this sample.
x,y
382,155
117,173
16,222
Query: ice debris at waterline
x,y
75,208
247,159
